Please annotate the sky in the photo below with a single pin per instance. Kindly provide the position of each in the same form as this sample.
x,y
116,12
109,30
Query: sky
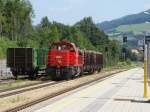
x,y
71,11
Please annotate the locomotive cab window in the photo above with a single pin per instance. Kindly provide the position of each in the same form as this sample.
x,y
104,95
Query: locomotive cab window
x,y
80,52
63,47
53,47
72,49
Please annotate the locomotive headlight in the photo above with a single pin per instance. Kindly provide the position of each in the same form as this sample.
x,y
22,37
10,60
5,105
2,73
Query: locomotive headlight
x,y
59,62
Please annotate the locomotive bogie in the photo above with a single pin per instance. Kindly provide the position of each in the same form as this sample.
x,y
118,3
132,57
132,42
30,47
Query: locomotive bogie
x,y
62,72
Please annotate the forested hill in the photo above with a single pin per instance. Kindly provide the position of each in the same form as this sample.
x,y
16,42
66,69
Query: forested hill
x,y
141,17
16,30
16,26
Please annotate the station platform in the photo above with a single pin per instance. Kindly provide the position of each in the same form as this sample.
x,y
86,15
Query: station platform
x,y
120,93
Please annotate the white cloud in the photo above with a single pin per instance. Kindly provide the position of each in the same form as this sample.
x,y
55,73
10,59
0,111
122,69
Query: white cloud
x,y
70,5
74,1
147,6
59,9
146,13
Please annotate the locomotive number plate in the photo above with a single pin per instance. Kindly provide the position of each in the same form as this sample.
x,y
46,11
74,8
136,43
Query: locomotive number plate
x,y
58,57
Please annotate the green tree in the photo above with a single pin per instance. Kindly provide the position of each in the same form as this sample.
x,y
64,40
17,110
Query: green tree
x,y
2,19
98,38
18,15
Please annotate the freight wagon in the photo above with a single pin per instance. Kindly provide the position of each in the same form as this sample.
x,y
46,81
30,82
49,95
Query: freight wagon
x,y
93,61
26,61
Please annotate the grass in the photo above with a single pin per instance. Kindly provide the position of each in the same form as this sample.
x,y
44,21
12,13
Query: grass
x,y
4,44
136,28
125,65
129,65
16,84
17,99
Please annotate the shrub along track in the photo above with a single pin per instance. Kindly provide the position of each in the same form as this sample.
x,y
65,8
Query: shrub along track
x,y
61,91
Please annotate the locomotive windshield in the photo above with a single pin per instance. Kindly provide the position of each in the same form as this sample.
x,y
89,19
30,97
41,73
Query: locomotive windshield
x,y
62,47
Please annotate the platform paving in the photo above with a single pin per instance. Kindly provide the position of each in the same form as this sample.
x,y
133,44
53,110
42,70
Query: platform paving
x,y
120,93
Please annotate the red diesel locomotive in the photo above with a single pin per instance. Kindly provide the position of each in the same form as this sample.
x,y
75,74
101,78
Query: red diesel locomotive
x,y
66,61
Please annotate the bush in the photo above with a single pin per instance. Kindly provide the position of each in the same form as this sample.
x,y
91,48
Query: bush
x,y
128,62
4,44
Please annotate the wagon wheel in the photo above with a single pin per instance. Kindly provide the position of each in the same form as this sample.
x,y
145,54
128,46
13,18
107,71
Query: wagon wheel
x,y
99,70
32,75
15,75
82,71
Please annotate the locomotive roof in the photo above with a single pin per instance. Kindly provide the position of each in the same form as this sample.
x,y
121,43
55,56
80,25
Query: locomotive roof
x,y
64,42
73,45
90,51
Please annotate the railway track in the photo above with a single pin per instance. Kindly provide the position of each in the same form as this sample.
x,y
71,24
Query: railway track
x,y
19,90
15,88
23,106
3,81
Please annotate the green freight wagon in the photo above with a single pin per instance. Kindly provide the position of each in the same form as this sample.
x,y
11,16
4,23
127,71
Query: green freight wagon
x,y
26,61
